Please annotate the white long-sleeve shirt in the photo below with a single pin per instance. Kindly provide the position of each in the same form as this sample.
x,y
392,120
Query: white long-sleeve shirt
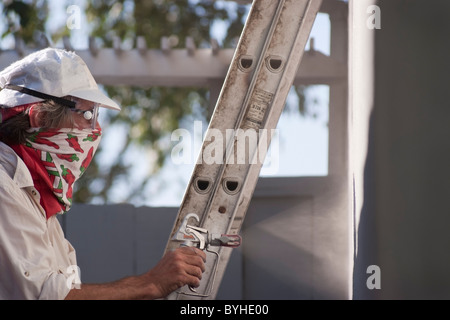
x,y
36,261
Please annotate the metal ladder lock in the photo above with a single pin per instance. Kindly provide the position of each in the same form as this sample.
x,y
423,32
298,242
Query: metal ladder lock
x,y
252,98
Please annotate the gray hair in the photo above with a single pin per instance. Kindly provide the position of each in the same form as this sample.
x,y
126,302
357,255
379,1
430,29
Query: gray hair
x,y
51,115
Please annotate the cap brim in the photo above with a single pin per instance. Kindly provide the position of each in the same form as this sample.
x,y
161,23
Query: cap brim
x,y
96,96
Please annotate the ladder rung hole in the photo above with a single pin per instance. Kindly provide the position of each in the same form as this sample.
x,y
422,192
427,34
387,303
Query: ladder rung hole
x,y
202,185
231,186
275,63
246,63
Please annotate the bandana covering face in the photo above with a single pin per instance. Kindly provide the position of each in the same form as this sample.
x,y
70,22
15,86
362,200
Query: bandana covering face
x,y
57,159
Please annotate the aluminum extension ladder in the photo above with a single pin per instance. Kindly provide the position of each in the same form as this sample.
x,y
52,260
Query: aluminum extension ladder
x,y
252,98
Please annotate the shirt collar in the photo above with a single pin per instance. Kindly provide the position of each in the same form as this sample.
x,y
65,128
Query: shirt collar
x,y
14,166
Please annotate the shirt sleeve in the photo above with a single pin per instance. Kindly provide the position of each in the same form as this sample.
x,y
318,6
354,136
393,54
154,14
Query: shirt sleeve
x,y
28,260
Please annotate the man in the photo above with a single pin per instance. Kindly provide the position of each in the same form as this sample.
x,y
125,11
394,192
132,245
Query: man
x,y
49,132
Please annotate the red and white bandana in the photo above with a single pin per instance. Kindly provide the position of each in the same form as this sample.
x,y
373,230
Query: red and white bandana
x,y
56,159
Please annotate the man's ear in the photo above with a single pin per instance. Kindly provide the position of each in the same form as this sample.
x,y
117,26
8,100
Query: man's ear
x,y
34,117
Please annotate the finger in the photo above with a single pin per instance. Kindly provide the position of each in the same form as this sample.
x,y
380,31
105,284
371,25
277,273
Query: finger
x,y
193,282
194,271
193,251
196,261
200,253
191,257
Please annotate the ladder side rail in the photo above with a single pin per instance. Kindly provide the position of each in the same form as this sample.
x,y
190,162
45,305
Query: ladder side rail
x,y
265,91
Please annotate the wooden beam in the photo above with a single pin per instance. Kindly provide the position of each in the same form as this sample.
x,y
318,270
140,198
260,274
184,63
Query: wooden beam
x,y
180,68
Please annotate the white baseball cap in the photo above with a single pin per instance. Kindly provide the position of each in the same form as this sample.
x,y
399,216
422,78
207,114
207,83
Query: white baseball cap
x,y
53,72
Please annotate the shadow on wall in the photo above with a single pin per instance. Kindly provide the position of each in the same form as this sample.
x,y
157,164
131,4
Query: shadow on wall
x,y
405,217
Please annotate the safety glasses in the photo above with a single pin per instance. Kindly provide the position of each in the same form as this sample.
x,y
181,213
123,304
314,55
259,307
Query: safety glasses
x,y
90,115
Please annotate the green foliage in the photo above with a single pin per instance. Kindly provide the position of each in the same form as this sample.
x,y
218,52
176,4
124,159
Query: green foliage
x,y
24,19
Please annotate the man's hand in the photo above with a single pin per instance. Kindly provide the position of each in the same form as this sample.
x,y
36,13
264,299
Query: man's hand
x,y
183,266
